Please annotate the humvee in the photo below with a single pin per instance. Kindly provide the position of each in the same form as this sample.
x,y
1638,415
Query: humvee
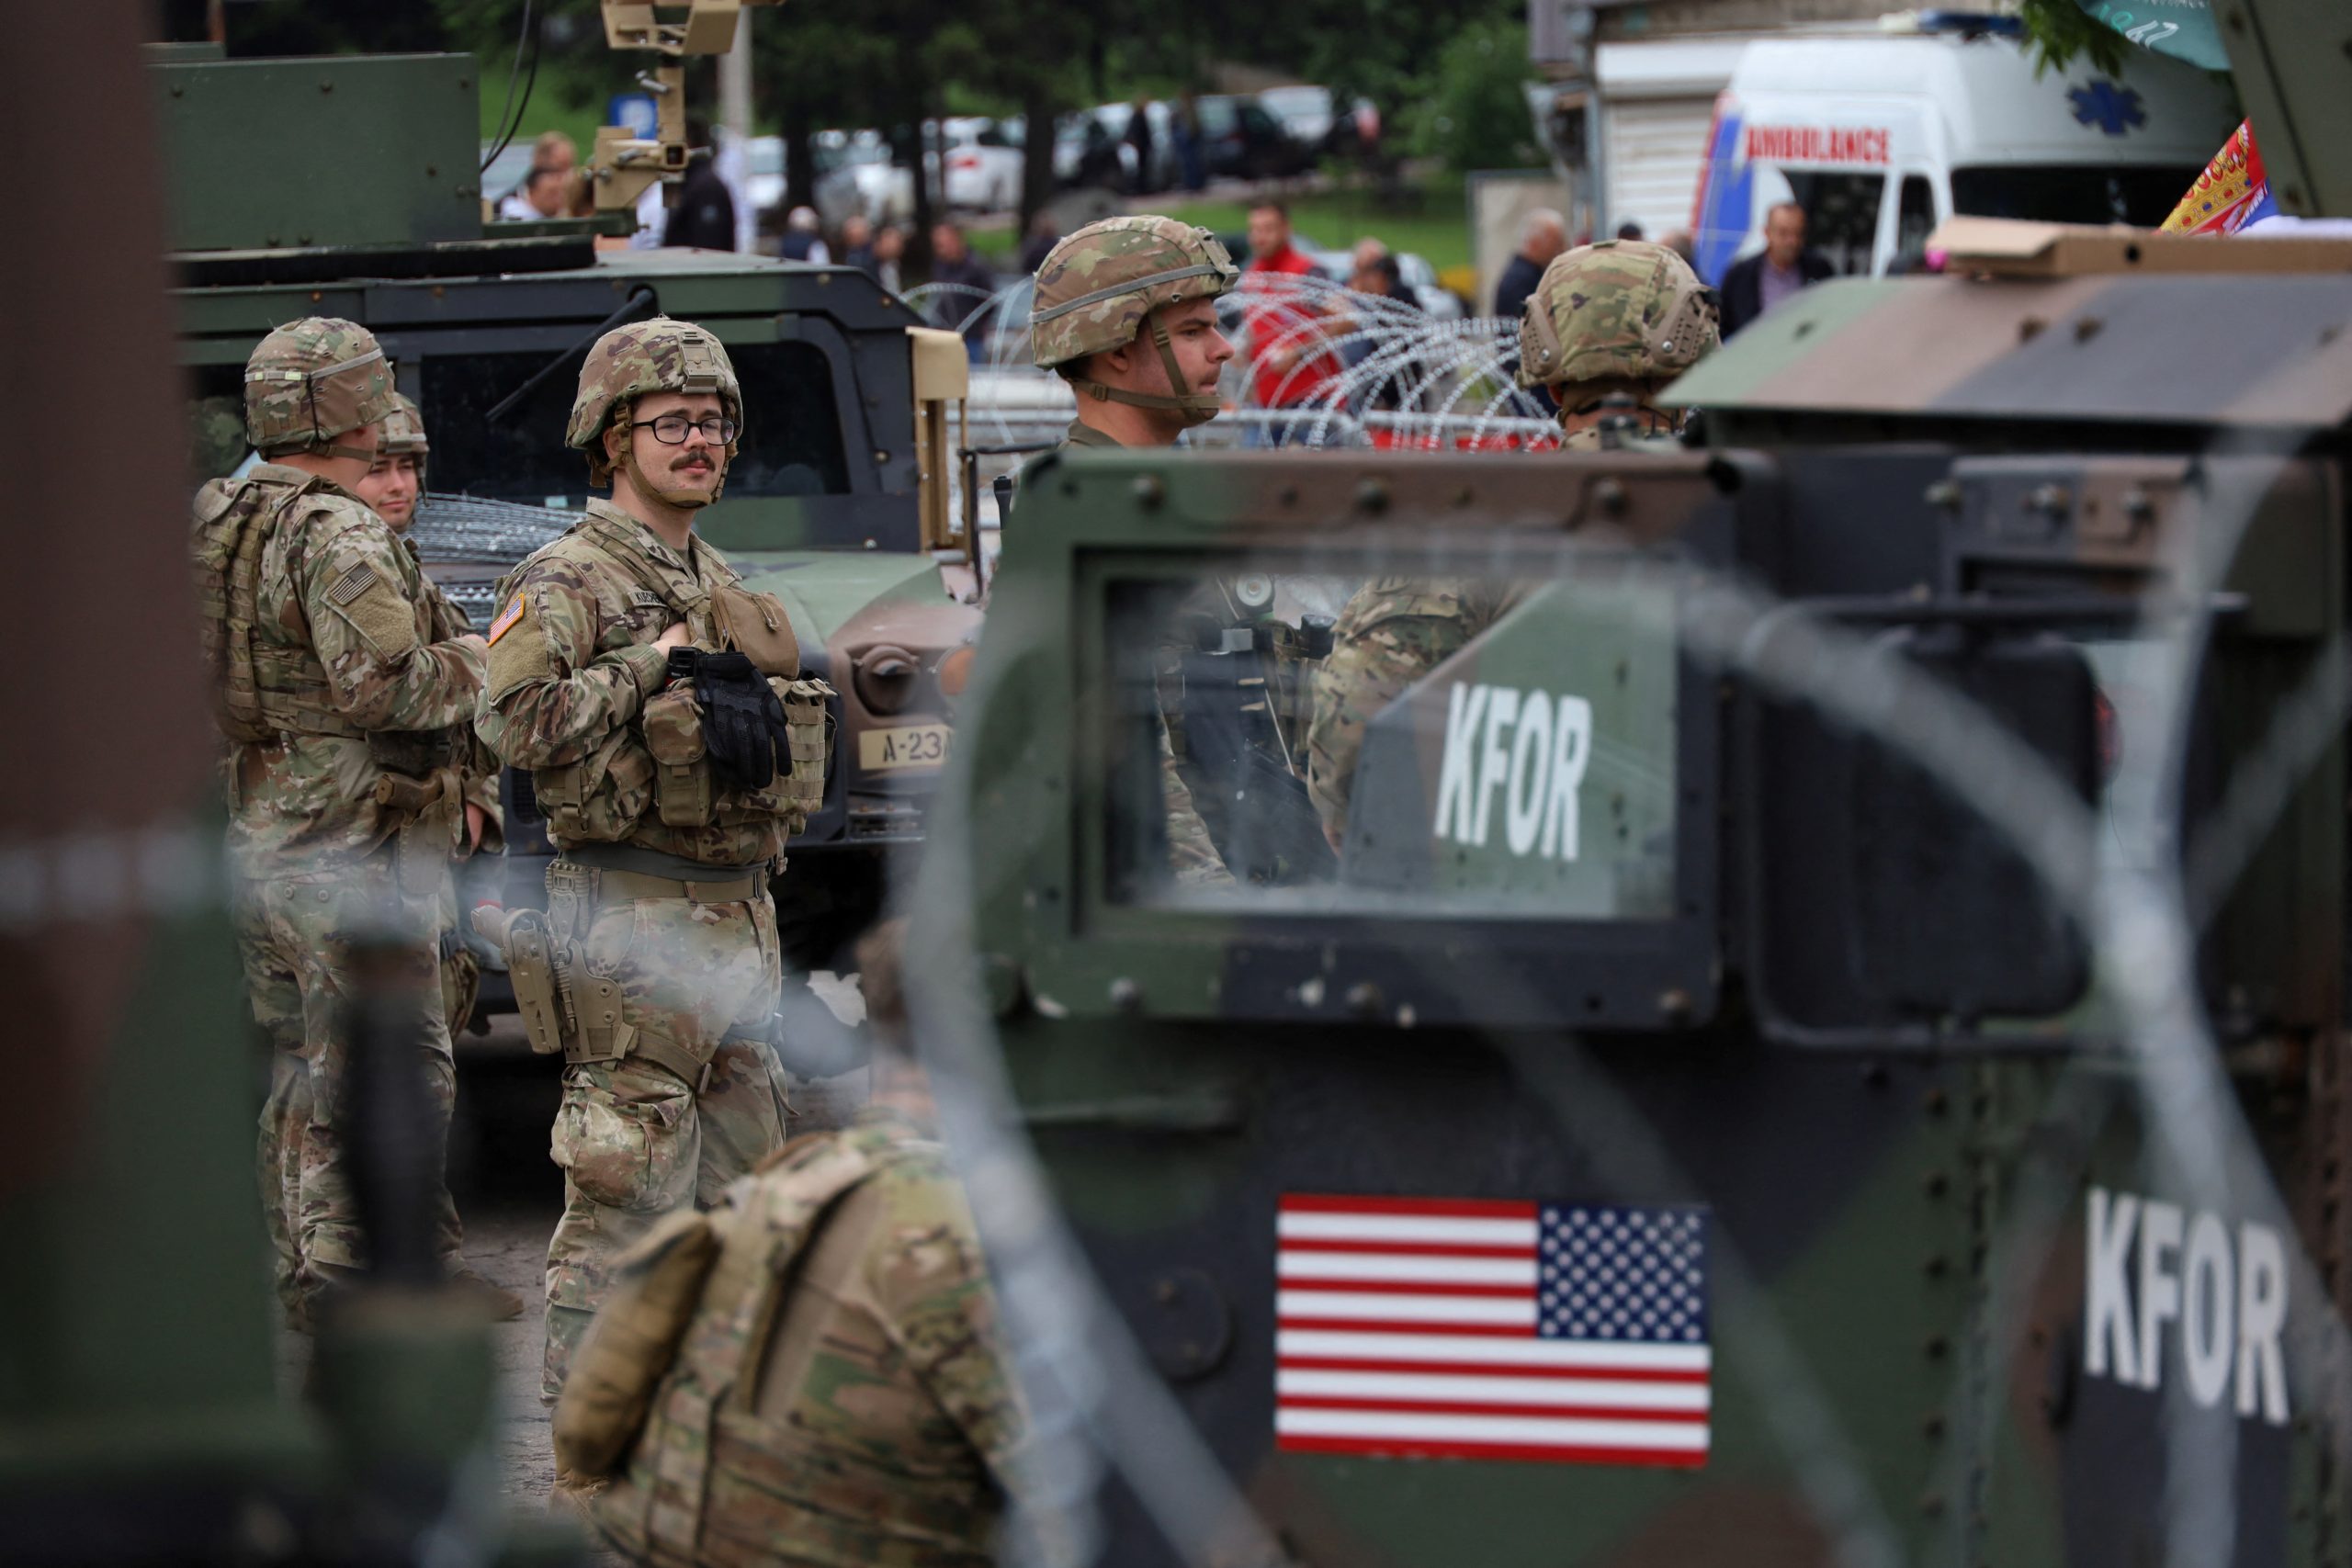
x,y
347,186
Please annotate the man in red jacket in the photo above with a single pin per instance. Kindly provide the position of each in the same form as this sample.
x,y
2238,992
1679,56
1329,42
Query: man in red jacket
x,y
1292,366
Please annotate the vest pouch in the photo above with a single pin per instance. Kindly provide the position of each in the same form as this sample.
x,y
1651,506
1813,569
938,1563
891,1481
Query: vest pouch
x,y
682,786
656,1286
756,625
421,853
601,797
809,721
798,793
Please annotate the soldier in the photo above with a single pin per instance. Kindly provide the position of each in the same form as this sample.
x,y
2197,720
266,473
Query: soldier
x,y
395,488
1607,326
656,759
344,709
813,1373
1102,291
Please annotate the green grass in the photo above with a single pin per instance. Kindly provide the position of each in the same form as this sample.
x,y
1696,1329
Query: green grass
x,y
546,111
1431,220
1001,248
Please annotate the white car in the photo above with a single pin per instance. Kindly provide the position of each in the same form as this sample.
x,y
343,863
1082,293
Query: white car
x,y
763,173
854,174
1306,112
983,164
1414,271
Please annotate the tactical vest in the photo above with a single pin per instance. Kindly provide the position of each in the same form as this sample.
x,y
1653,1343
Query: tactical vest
x,y
670,1374
658,763
264,689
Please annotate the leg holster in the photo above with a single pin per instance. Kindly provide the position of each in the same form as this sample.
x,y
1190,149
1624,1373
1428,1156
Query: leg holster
x,y
594,1027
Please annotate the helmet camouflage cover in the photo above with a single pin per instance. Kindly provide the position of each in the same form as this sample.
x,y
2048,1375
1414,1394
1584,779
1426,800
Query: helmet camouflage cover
x,y
404,429
313,380
1100,284
657,355
1620,310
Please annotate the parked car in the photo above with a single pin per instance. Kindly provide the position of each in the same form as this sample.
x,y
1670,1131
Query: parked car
x,y
1242,140
1315,120
763,173
1164,172
854,173
1437,302
1088,152
983,160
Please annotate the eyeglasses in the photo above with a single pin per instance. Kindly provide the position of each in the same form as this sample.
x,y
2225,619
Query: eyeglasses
x,y
671,429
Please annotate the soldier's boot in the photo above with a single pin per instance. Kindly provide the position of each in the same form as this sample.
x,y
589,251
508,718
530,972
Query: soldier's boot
x,y
504,1305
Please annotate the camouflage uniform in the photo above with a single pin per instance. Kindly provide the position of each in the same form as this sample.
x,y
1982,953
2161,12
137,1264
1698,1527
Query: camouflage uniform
x,y
404,435
1096,291
840,1396
332,684
1620,316
681,1092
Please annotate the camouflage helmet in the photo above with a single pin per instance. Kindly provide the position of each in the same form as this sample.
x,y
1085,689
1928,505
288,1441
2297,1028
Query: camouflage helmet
x,y
313,380
1099,286
404,430
1618,310
657,355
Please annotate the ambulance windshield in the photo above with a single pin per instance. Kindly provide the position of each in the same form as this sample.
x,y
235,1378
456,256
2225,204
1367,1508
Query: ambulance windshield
x,y
2067,193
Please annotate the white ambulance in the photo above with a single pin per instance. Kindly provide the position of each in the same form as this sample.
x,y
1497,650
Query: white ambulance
x,y
1881,137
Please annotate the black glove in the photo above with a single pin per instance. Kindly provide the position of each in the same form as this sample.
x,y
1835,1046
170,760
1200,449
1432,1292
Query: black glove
x,y
742,721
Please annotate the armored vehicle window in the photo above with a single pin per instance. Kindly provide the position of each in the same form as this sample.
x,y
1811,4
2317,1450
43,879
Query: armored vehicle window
x,y
1840,216
792,440
216,410
1499,745
2054,193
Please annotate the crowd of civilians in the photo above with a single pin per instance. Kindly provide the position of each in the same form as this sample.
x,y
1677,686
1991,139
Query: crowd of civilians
x,y
1298,342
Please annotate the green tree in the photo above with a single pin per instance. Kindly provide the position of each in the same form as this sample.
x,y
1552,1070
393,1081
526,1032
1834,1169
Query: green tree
x,y
2058,30
1474,114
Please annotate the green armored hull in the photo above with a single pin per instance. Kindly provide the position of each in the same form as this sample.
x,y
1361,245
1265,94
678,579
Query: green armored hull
x,y
1820,1037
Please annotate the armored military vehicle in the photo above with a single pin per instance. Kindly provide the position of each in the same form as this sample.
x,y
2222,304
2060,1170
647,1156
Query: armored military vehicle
x,y
1822,1039
348,186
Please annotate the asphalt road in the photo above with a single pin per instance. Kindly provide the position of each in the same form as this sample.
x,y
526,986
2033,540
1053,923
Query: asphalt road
x,y
510,1195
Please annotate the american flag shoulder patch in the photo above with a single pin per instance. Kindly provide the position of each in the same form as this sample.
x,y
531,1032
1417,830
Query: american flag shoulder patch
x,y
506,617
351,585
1477,1329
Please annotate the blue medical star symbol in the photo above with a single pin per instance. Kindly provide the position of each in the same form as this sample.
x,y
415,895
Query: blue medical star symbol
x,y
2113,109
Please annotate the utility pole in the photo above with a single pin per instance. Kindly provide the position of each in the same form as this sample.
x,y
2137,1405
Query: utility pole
x,y
735,115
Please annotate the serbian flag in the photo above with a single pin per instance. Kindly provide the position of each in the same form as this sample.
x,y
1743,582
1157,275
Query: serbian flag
x,y
1467,1330
2233,192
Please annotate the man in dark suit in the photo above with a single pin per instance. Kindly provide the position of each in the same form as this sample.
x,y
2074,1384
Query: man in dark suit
x,y
1542,234
1782,268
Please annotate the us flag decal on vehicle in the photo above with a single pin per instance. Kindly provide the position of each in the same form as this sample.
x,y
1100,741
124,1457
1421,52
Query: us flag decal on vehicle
x,y
1431,1327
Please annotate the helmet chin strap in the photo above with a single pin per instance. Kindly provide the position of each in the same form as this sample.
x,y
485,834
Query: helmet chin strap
x,y
1193,407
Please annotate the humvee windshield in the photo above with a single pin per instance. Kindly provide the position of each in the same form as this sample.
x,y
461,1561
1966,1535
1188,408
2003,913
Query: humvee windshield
x,y
791,446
